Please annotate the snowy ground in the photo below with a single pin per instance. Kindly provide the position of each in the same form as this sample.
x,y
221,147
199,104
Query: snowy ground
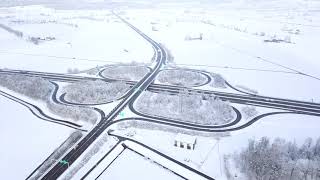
x,y
274,84
209,152
233,46
26,141
128,73
47,111
89,159
140,168
72,29
181,77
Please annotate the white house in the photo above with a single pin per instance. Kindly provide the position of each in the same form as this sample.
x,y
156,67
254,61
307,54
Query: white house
x,y
154,28
193,36
185,141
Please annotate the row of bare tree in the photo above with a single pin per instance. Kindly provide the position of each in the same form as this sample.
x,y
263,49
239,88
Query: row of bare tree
x,y
266,160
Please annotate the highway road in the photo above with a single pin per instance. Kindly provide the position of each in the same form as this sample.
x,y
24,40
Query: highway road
x,y
146,83
142,85
169,124
303,107
200,174
202,73
36,111
237,119
62,98
199,129
123,141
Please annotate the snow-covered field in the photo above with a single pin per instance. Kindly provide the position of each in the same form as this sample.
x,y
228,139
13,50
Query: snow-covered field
x,y
83,39
140,168
232,44
26,141
209,152
268,46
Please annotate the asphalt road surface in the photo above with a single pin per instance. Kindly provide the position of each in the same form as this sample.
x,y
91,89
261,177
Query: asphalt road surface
x,y
142,85
302,107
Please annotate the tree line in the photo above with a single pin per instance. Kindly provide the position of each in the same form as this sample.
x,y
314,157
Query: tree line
x,y
41,89
97,91
266,160
181,77
186,106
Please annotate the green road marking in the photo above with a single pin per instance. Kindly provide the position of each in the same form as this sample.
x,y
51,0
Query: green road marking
x,y
64,162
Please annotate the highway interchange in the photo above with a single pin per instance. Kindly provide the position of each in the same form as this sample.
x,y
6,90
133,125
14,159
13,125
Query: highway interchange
x,y
72,156
284,106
